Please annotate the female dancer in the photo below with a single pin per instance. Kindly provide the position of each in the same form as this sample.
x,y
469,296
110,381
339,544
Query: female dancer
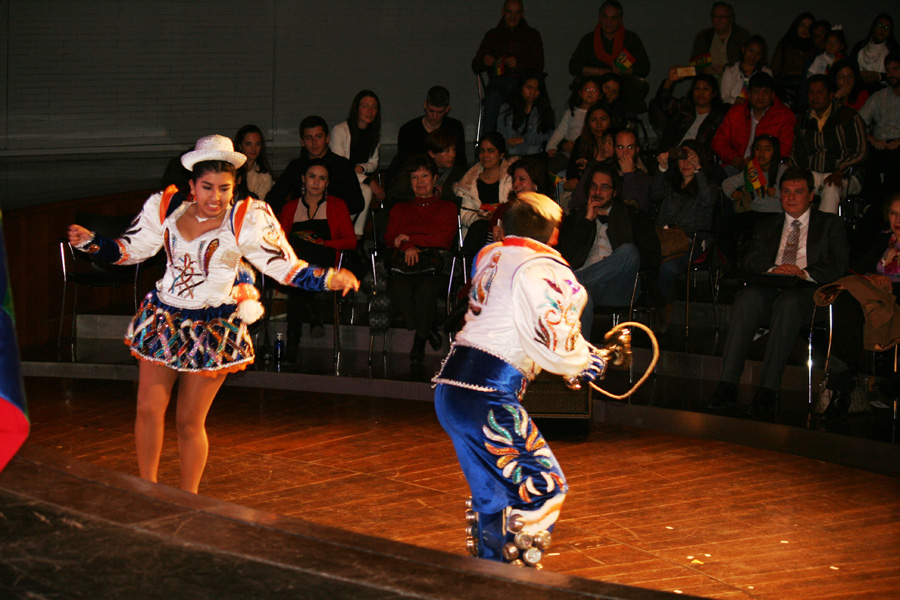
x,y
193,327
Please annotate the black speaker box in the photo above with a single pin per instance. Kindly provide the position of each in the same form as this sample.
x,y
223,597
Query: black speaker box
x,y
548,396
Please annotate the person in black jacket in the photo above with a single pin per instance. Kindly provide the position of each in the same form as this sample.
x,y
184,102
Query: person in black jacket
x,y
606,243
342,180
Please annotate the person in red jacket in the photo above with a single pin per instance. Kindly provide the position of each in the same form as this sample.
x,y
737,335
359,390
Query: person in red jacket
x,y
418,230
763,114
318,227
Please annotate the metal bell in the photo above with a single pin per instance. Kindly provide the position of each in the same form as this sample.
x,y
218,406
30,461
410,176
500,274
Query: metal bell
x,y
532,556
510,552
472,546
469,503
524,540
542,540
471,517
515,523
518,563
472,531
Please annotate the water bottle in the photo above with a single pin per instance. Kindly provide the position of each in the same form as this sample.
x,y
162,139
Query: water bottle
x,y
279,351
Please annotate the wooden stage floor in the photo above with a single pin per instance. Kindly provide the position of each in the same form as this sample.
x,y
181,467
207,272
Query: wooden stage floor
x,y
645,509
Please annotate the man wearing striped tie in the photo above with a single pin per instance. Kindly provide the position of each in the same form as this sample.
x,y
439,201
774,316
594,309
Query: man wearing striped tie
x,y
790,256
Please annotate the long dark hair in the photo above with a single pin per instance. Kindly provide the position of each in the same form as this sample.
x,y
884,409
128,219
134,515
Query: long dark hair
x,y
792,39
716,103
587,145
676,177
364,141
579,82
772,174
536,170
517,103
262,161
849,63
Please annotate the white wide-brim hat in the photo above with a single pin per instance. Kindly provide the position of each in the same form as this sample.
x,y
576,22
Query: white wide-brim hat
x,y
212,147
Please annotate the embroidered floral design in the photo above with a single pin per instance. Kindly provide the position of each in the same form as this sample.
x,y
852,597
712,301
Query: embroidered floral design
x,y
481,289
187,279
558,311
513,462
208,254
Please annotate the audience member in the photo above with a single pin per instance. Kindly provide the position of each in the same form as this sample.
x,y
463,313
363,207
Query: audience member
x,y
526,120
818,31
482,189
611,94
411,137
829,140
418,230
881,114
850,89
876,270
835,46
755,194
589,145
506,51
736,78
802,246
358,139
764,113
635,188
686,200
723,41
697,116
255,175
528,175
441,147
341,175
791,54
606,242
585,92
610,47
318,227
870,52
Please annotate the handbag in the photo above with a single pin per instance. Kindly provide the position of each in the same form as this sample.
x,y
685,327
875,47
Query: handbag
x,y
673,241
430,263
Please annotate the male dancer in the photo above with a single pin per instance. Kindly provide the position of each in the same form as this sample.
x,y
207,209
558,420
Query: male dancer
x,y
524,316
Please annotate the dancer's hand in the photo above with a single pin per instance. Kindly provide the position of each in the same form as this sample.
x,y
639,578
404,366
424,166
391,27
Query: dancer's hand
x,y
344,281
78,235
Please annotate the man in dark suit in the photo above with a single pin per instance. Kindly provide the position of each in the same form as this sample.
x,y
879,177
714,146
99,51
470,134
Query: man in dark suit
x,y
342,180
808,245
607,242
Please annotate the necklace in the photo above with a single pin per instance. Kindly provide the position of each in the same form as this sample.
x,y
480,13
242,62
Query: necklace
x,y
204,219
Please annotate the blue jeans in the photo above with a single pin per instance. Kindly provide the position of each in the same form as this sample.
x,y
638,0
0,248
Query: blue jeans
x,y
608,282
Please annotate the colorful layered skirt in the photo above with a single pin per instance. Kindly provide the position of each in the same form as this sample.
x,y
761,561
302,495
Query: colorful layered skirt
x,y
210,340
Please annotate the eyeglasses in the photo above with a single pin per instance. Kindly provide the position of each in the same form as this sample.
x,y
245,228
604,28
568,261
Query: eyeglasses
x,y
603,187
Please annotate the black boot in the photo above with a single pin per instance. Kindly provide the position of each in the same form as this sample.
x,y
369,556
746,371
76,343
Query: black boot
x,y
724,397
418,350
765,403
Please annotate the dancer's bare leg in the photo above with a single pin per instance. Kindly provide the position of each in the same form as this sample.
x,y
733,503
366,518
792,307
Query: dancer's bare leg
x,y
154,390
196,393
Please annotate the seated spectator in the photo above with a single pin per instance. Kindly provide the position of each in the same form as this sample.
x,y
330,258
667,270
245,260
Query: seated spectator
x,y
686,200
817,32
881,114
528,175
526,120
411,137
736,78
870,52
585,93
755,194
611,95
697,116
318,227
341,175
763,113
878,267
589,145
610,47
633,173
482,189
791,53
255,176
441,147
723,41
507,51
417,231
803,245
358,139
606,243
835,46
829,140
850,90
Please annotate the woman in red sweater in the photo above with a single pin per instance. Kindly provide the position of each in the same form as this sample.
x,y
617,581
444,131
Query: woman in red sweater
x,y
318,228
418,230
